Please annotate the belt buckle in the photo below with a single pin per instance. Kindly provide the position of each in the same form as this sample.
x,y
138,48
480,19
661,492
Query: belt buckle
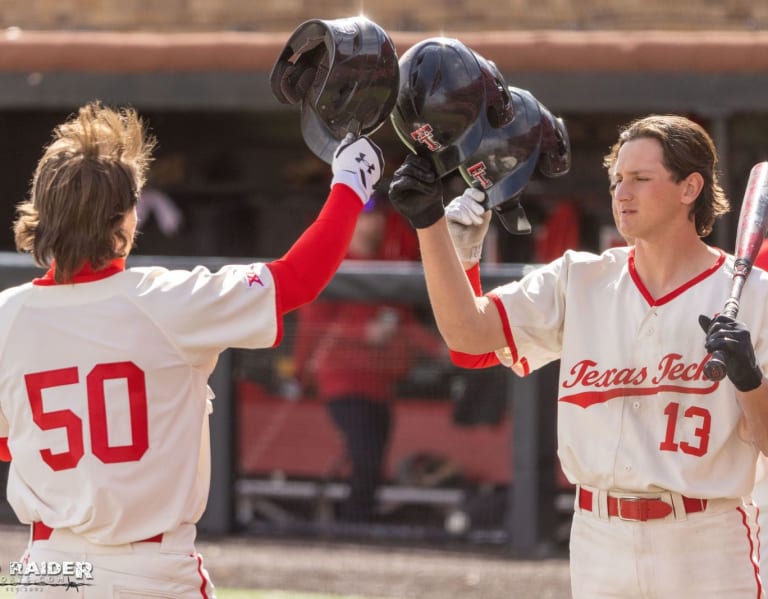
x,y
645,514
620,500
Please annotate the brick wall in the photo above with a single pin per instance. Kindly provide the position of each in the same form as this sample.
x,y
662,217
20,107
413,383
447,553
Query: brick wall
x,y
416,15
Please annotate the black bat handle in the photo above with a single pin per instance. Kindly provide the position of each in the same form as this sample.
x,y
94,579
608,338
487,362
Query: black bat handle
x,y
714,369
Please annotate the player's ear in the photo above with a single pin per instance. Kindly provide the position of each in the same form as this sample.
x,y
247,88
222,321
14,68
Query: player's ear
x,y
692,186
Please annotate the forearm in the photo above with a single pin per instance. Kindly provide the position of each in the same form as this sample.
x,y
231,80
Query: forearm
x,y
754,405
488,359
467,323
309,265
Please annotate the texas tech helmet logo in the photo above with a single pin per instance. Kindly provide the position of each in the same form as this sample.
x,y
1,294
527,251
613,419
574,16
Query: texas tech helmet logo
x,y
423,135
477,172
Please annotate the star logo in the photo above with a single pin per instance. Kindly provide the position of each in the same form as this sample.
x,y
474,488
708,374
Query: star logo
x,y
252,279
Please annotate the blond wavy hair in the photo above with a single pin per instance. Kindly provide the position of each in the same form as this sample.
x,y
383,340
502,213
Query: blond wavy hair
x,y
89,177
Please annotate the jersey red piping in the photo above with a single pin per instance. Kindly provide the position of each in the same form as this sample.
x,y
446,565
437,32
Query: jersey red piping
x,y
755,566
204,578
673,294
508,334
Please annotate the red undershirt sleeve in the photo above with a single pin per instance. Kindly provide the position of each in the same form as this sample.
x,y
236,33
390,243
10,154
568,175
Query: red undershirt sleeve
x,y
309,265
474,360
5,453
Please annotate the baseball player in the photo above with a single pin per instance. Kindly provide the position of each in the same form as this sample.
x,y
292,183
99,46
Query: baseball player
x,y
661,457
104,404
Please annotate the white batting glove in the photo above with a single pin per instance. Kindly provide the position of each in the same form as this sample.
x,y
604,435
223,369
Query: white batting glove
x,y
468,223
358,164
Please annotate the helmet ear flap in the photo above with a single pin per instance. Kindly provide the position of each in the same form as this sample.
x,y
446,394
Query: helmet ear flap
x,y
555,158
499,110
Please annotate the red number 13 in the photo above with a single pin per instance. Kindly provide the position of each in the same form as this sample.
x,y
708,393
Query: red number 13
x,y
97,414
701,432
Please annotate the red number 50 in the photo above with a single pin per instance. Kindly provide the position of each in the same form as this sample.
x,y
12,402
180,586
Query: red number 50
x,y
97,414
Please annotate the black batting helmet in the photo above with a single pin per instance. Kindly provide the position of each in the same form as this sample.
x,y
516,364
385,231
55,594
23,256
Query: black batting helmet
x,y
344,73
454,107
447,98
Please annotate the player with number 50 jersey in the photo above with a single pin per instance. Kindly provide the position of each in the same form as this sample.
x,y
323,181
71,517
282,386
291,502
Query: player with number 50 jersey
x,y
104,401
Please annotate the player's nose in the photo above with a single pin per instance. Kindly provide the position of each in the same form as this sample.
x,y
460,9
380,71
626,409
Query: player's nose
x,y
621,191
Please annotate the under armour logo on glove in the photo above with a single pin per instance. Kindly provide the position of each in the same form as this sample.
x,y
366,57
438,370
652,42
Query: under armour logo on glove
x,y
358,164
368,166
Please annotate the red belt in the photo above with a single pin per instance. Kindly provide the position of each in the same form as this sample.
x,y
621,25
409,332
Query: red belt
x,y
640,509
41,532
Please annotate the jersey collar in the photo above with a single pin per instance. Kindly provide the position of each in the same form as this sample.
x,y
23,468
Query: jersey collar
x,y
673,294
85,275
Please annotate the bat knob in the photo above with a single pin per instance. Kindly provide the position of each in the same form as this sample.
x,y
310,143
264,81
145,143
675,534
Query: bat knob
x,y
714,369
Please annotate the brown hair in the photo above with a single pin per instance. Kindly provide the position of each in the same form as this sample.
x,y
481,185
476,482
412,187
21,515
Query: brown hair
x,y
687,148
88,178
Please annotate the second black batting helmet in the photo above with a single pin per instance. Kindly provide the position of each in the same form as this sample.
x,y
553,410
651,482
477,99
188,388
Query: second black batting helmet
x,y
507,157
344,73
454,107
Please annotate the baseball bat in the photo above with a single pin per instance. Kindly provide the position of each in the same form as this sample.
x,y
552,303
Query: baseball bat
x,y
750,232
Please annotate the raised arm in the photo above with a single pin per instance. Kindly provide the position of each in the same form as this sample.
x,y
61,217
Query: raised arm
x,y
308,266
468,223
467,323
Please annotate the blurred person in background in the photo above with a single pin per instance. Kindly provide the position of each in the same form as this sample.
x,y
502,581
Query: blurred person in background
x,y
353,353
165,172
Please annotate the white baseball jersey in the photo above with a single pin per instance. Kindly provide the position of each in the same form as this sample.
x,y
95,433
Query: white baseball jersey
x,y
634,409
104,396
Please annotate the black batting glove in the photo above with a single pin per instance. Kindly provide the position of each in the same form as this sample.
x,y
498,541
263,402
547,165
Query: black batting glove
x,y
416,192
732,338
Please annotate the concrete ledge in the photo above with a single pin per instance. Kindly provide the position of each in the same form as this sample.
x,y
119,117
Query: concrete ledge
x,y
535,51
